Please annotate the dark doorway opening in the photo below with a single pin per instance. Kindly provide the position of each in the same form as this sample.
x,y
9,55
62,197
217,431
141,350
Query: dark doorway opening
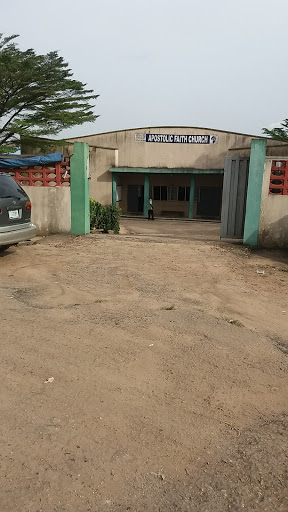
x,y
209,202
135,198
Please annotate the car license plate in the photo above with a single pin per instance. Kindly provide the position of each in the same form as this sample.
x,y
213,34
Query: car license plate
x,y
14,214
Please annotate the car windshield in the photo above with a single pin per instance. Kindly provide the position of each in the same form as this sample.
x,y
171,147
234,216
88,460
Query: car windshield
x,y
10,188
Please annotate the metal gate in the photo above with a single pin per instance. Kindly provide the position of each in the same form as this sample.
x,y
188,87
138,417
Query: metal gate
x,y
235,183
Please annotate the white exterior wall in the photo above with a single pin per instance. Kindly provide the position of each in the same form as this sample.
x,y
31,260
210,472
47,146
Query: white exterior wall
x,y
51,209
273,226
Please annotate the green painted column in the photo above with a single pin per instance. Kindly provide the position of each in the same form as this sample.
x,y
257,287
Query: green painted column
x,y
191,198
146,194
114,188
79,188
254,191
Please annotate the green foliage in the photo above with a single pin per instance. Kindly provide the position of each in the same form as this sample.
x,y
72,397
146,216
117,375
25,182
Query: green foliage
x,y
113,215
96,210
104,217
38,96
278,133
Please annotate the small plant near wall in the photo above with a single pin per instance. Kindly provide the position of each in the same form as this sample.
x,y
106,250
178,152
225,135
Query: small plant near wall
x,y
106,218
95,214
113,217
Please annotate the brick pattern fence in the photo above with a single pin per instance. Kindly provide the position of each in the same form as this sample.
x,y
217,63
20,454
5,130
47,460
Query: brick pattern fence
x,y
52,175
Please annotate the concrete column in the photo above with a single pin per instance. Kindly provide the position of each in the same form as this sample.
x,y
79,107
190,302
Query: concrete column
x,y
79,188
146,194
191,198
114,188
254,191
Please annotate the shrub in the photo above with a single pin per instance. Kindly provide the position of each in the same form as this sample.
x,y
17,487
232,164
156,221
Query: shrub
x,y
104,217
113,215
96,210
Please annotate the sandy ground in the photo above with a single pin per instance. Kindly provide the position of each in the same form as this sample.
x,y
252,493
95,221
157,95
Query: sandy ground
x,y
180,230
168,362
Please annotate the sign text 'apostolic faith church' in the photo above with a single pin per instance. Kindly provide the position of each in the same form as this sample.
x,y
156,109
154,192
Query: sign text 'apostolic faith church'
x,y
176,139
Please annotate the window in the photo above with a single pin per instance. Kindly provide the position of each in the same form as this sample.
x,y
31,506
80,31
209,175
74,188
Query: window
x,y
181,194
171,193
163,193
10,188
156,193
119,193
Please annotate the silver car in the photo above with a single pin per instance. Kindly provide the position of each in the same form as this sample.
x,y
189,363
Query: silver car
x,y
15,213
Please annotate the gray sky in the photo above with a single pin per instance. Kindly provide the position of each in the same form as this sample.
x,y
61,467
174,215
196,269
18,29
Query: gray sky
x,y
211,63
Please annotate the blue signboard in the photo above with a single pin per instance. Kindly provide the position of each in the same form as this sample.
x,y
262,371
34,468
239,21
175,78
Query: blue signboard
x,y
176,139
181,139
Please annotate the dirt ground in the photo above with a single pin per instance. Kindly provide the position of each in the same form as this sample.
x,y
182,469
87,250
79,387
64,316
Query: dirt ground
x,y
143,373
187,230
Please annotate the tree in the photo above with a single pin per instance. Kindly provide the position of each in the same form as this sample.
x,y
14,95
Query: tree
x,y
38,96
278,133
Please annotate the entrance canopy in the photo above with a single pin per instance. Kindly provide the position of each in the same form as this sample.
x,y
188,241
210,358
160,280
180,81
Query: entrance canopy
x,y
172,195
157,170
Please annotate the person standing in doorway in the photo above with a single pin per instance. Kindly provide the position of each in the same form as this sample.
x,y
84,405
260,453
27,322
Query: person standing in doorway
x,y
150,210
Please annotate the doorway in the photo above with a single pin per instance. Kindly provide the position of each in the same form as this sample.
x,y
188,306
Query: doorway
x,y
209,202
135,198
